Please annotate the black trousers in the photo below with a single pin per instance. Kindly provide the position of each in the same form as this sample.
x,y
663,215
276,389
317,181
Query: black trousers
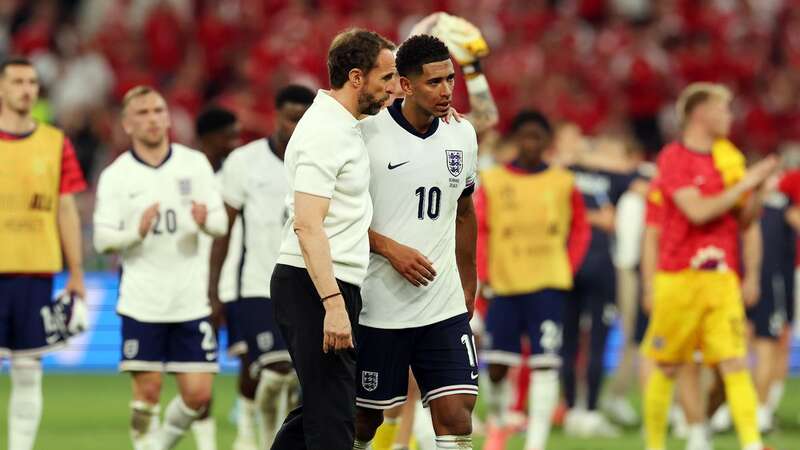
x,y
326,418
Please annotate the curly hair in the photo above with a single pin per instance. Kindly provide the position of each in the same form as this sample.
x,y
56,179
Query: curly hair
x,y
420,50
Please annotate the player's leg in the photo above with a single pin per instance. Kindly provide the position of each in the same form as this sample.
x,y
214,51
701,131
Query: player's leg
x,y
616,403
671,337
27,331
767,325
690,395
246,420
192,357
277,387
724,342
505,324
603,313
407,423
386,433
445,365
143,351
569,356
545,312
382,377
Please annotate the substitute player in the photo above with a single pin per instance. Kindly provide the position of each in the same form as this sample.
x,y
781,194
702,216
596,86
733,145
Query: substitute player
x,y
39,178
536,237
254,187
153,203
420,284
697,301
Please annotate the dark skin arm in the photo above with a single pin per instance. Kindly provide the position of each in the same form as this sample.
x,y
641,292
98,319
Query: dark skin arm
x,y
466,238
219,251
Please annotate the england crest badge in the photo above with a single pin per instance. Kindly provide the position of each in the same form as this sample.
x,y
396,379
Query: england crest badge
x,y
185,186
455,162
369,380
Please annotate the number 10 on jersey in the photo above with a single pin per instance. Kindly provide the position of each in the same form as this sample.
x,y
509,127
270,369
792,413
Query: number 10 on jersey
x,y
434,201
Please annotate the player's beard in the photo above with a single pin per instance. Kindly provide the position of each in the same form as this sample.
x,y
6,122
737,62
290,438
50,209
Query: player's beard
x,y
369,104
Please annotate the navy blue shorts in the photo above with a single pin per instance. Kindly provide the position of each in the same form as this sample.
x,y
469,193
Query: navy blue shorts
x,y
771,314
539,316
27,324
236,343
179,347
254,320
441,355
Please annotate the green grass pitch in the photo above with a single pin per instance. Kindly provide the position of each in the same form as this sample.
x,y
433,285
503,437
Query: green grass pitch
x,y
90,412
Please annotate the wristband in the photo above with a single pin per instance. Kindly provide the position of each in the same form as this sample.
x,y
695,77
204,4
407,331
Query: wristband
x,y
472,69
328,297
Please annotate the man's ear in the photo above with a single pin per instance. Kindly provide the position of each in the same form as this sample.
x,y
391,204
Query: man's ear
x,y
357,78
405,86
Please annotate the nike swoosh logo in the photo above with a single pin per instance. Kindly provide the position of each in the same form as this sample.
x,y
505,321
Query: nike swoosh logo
x,y
474,375
392,167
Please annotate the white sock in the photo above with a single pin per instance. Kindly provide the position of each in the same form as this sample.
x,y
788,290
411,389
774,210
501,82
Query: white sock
x,y
24,403
271,400
205,433
144,424
423,428
755,446
453,442
542,402
498,398
177,420
361,445
775,396
246,421
697,435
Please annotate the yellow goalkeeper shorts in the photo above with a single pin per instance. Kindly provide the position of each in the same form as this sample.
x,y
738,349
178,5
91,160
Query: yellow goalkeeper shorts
x,y
696,310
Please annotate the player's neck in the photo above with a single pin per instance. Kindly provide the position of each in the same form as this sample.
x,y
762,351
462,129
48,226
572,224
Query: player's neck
x,y
420,119
213,157
152,155
15,123
697,139
348,98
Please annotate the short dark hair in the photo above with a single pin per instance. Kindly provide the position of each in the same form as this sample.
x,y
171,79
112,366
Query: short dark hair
x,y
417,51
294,93
354,49
14,61
528,116
213,119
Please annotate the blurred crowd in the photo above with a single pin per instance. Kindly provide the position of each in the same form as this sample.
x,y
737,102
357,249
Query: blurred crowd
x,y
608,66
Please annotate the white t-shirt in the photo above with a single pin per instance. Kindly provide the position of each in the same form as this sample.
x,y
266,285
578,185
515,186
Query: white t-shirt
x,y
165,275
416,183
326,157
254,182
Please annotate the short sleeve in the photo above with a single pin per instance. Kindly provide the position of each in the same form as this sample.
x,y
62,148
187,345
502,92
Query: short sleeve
x,y
233,191
319,161
72,180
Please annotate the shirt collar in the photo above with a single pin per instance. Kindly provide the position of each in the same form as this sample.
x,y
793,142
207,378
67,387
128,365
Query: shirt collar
x,y
334,108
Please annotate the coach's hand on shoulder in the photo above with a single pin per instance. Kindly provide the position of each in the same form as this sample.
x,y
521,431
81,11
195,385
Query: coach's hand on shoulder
x,y
411,264
199,213
148,217
336,331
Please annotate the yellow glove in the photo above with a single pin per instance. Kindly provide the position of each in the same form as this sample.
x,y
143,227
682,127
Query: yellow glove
x,y
463,39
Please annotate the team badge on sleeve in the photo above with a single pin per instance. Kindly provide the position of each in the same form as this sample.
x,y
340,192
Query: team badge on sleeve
x,y
369,380
455,162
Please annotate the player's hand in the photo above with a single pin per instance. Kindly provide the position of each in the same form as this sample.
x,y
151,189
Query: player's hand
x,y
199,213
452,114
75,285
337,333
463,39
759,172
411,264
217,310
751,291
148,217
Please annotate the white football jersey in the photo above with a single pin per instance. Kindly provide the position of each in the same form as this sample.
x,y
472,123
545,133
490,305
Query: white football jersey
x,y
416,182
254,182
165,275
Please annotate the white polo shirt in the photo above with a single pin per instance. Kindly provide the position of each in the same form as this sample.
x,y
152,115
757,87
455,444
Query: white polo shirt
x,y
326,156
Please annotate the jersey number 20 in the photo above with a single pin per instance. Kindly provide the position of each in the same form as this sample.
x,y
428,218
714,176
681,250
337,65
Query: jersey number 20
x,y
434,200
170,222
